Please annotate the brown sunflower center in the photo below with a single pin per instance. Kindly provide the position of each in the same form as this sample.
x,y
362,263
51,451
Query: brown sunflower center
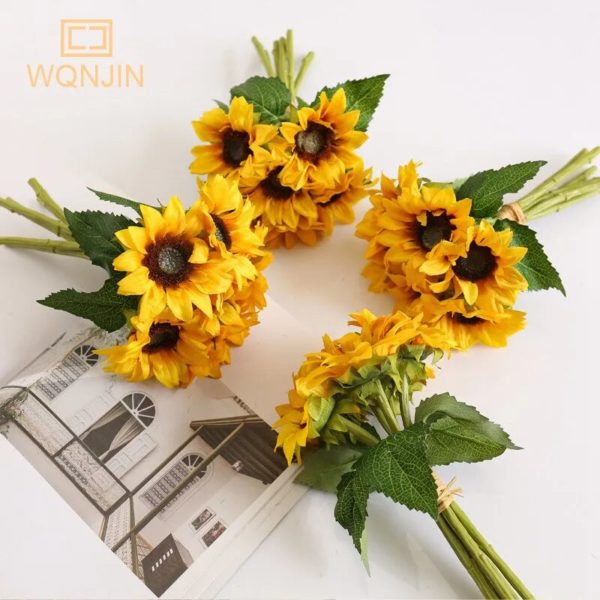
x,y
333,199
314,141
478,264
273,188
167,260
221,232
236,147
163,336
466,320
436,229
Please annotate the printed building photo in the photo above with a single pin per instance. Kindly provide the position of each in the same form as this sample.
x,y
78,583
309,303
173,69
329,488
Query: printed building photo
x,y
158,474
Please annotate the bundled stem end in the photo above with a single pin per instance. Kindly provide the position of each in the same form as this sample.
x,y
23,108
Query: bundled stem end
x,y
283,62
571,184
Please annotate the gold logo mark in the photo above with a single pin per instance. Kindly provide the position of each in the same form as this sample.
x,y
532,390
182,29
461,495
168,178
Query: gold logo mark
x,y
81,38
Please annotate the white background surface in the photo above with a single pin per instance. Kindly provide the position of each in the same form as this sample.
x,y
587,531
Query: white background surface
x,y
474,85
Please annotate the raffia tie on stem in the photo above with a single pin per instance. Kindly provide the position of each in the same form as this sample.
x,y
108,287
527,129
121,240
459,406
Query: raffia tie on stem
x,y
513,212
446,492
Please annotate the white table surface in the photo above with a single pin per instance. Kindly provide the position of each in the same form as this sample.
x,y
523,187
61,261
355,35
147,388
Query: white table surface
x,y
474,85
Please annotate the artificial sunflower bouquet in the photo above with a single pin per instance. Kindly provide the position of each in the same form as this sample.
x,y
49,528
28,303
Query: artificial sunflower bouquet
x,y
294,160
188,284
350,413
459,256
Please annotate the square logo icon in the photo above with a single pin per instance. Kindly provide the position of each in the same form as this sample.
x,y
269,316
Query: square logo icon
x,y
80,38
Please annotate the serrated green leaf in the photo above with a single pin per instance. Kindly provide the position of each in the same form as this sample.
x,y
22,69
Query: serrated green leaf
x,y
449,440
438,406
448,405
487,188
269,96
323,468
351,507
103,307
117,200
535,266
361,94
397,467
94,231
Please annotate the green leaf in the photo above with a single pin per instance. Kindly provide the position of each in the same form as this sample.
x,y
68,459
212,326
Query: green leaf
x,y
361,94
449,440
104,307
222,105
351,508
458,432
323,468
300,103
117,200
94,231
269,95
448,405
487,188
535,266
397,467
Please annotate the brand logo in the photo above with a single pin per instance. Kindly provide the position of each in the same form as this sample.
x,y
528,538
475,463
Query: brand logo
x,y
86,39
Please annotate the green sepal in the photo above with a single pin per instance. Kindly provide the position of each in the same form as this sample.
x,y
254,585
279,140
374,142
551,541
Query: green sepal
x,y
221,105
535,266
104,307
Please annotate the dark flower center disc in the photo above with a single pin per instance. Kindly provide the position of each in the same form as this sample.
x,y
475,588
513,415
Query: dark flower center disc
x,y
313,142
163,336
477,265
273,188
438,228
466,320
236,147
167,260
221,232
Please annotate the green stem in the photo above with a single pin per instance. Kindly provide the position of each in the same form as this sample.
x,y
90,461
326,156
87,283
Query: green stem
x,y
512,578
574,182
386,408
364,436
264,57
53,225
493,575
463,556
46,200
559,200
303,69
280,64
383,420
44,245
289,47
405,400
534,203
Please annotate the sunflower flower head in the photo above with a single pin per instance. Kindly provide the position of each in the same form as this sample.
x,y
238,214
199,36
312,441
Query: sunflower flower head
x,y
231,140
165,348
169,264
332,386
428,251
198,276
227,220
322,142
